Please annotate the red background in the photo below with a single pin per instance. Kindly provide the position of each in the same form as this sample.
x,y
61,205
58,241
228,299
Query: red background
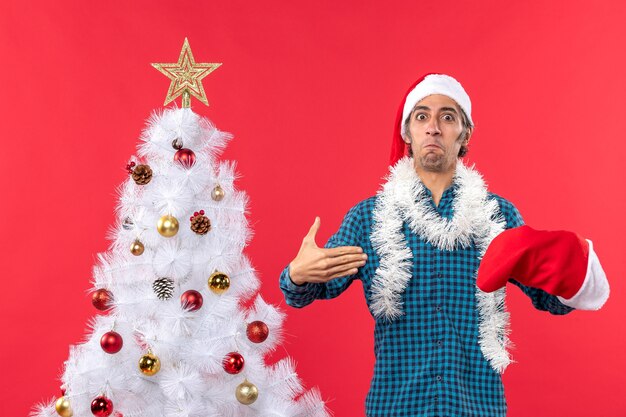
x,y
310,91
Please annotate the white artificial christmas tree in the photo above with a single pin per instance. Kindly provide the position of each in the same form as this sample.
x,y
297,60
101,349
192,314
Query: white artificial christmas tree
x,y
175,340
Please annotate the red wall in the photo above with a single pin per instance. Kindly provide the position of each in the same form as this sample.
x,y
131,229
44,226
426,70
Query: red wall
x,y
310,91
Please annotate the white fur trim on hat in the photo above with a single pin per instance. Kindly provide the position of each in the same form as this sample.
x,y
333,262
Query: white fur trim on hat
x,y
437,84
595,289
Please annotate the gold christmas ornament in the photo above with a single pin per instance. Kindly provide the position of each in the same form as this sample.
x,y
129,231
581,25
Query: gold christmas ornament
x,y
63,407
218,193
149,364
167,226
219,282
186,76
136,248
246,392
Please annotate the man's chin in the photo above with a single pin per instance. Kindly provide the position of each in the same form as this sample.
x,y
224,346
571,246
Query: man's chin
x,y
431,162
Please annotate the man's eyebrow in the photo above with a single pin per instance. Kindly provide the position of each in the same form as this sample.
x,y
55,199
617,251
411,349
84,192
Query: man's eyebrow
x,y
450,109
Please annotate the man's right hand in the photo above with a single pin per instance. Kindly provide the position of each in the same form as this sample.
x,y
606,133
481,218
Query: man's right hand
x,y
315,264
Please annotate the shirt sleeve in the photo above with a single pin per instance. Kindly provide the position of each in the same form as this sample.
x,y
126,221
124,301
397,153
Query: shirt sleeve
x,y
541,300
349,234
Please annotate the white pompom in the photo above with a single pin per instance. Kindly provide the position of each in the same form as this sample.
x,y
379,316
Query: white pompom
x,y
170,260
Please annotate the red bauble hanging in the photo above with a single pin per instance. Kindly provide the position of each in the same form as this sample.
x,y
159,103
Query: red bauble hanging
x,y
191,300
257,331
111,342
233,363
102,299
102,407
185,157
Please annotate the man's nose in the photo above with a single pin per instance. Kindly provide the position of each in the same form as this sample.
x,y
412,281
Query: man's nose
x,y
433,127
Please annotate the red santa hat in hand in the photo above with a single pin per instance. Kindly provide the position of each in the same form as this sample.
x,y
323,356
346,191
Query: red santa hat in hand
x,y
428,85
558,262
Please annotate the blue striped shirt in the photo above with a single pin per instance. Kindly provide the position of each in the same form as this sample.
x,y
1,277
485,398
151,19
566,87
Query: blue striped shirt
x,y
428,361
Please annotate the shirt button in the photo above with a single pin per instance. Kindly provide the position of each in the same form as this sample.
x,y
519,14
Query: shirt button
x,y
439,343
436,397
438,377
439,275
438,308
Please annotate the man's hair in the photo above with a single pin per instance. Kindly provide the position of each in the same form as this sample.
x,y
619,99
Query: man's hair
x,y
464,121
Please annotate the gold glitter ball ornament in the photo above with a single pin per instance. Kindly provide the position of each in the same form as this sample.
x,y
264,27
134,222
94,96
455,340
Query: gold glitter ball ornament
x,y
136,248
167,226
63,407
149,364
218,193
246,392
219,282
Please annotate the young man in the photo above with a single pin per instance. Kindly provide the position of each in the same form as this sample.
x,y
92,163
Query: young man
x,y
440,342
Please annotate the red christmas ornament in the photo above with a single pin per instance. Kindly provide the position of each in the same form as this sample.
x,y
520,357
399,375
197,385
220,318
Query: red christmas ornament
x,y
102,407
257,331
102,299
191,300
233,363
185,157
130,166
111,342
197,213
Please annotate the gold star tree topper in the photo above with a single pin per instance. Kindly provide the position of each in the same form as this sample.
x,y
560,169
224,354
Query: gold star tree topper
x,y
186,76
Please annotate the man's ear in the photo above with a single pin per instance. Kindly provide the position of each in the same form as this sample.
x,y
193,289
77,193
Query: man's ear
x,y
470,130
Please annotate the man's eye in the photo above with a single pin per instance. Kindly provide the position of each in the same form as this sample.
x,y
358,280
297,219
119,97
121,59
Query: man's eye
x,y
448,117
420,116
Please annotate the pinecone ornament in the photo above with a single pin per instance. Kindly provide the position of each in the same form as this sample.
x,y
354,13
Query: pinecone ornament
x,y
142,174
163,288
200,223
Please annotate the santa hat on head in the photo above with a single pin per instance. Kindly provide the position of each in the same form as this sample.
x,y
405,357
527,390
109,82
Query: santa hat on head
x,y
427,85
559,262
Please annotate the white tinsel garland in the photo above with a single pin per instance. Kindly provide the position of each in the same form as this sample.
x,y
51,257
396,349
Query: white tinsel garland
x,y
476,218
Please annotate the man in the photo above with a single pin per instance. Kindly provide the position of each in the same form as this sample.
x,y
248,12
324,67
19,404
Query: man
x,y
440,342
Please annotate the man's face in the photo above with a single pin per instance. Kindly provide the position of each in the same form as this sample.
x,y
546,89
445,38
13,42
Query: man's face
x,y
435,128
